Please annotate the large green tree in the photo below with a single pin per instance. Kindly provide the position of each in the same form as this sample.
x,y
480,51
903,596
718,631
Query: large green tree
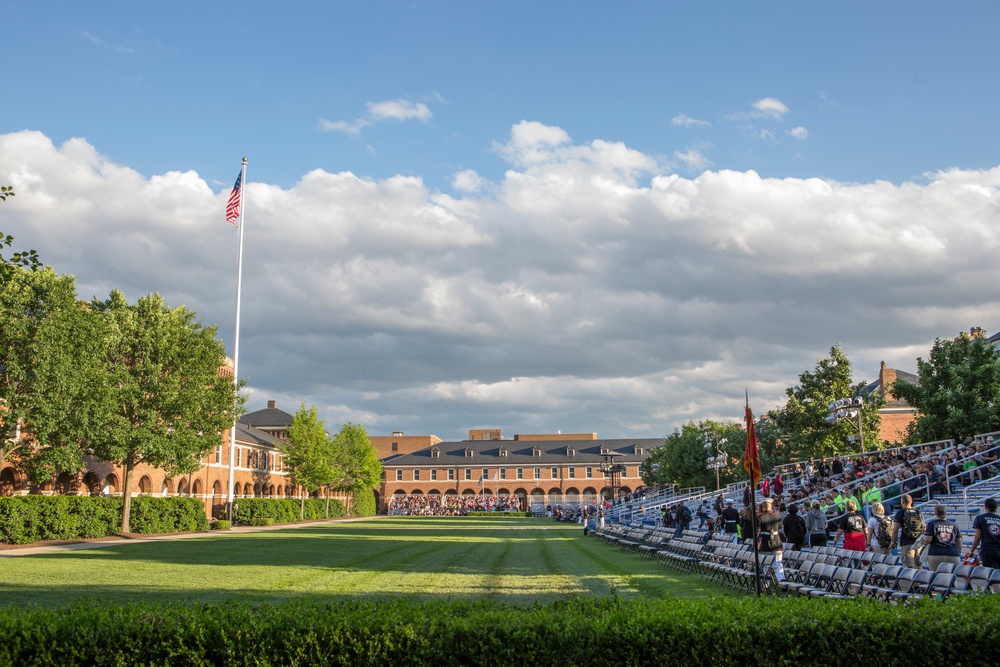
x,y
171,403
958,390
682,459
26,258
310,454
361,468
804,430
51,373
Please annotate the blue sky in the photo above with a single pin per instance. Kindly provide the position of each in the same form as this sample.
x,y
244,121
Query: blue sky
x,y
573,216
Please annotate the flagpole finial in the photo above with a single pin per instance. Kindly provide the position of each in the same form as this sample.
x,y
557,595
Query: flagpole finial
x,y
244,160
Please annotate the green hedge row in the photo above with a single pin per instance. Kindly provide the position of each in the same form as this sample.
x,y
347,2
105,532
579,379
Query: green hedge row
x,y
26,519
580,631
363,504
252,511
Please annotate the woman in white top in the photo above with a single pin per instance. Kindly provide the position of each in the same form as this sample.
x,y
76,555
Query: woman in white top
x,y
879,524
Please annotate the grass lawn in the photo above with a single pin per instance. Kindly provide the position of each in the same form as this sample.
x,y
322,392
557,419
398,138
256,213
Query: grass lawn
x,y
506,560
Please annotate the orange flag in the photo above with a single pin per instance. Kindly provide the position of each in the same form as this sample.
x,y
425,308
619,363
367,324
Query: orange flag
x,y
751,457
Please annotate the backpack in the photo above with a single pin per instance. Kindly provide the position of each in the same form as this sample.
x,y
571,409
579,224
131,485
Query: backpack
x,y
913,524
684,515
884,532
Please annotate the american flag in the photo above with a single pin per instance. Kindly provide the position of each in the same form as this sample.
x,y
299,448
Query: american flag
x,y
233,206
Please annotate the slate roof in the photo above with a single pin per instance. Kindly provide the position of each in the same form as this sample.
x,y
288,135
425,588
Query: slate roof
x,y
267,418
254,436
521,452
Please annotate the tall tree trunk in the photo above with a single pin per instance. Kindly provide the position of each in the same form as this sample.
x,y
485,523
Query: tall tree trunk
x,y
126,497
302,506
328,503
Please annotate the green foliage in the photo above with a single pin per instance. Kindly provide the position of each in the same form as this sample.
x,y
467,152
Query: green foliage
x,y
958,391
803,429
362,470
682,458
171,404
283,510
51,376
222,524
363,503
582,631
27,519
27,259
309,453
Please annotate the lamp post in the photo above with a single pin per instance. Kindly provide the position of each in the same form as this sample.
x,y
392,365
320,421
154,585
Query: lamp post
x,y
718,461
613,468
848,409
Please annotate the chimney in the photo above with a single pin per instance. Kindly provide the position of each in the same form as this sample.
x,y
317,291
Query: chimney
x,y
397,434
271,405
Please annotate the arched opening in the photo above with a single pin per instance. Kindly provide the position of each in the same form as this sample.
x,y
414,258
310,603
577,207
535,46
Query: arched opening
x,y
589,495
110,485
468,492
537,500
167,487
64,483
92,483
522,499
571,497
8,482
555,497
217,488
434,492
182,487
197,487
145,485
257,490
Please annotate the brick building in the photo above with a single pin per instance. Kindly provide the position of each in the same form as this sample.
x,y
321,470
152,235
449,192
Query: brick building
x,y
258,470
537,469
895,414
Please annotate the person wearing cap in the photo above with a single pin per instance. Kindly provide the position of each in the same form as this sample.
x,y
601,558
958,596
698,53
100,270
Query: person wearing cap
x,y
731,521
987,535
770,536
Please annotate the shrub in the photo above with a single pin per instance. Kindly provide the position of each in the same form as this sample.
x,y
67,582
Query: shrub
x,y
222,524
363,503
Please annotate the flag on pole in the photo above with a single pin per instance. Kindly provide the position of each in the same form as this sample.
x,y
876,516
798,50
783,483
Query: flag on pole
x,y
235,198
751,456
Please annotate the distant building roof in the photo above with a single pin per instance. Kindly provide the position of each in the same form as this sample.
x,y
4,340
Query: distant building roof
x,y
479,453
270,417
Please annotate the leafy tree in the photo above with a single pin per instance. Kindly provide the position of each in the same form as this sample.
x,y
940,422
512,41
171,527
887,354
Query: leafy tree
x,y
683,457
171,403
28,258
803,427
51,375
310,454
362,470
958,390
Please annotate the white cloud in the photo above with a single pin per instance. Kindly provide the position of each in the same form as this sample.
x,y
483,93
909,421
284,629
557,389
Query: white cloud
x,y
683,120
620,297
799,133
771,107
398,109
693,159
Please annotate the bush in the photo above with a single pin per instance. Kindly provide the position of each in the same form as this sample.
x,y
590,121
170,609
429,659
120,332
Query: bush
x,y
724,632
282,510
222,524
363,503
27,519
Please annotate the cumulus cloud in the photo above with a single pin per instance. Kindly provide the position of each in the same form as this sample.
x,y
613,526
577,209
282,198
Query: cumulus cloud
x,y
693,159
398,109
683,120
799,133
589,289
771,107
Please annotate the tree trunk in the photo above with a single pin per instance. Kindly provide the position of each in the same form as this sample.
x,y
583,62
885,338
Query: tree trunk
x,y
302,506
328,503
126,497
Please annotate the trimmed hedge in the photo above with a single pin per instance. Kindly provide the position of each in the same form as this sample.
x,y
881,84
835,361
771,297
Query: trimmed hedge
x,y
27,519
363,503
247,511
579,631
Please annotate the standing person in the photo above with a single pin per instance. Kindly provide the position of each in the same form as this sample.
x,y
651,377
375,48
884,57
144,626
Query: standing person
x,y
747,523
778,485
683,519
987,536
816,524
731,521
879,532
907,532
795,527
943,539
853,528
720,504
702,513
770,536
765,487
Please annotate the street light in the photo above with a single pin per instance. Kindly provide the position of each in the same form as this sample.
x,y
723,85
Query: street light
x,y
718,461
848,409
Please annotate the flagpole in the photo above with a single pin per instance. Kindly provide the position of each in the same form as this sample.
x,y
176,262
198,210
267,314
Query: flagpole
x,y
753,497
236,341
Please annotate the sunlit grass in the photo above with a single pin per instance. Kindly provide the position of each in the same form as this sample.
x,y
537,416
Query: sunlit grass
x,y
516,560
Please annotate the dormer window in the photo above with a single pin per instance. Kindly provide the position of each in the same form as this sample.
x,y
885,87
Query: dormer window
x,y
605,450
468,452
503,451
537,452
570,451
638,450
435,453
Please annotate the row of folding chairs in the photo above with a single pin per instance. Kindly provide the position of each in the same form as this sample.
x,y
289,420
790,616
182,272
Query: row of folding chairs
x,y
735,568
889,583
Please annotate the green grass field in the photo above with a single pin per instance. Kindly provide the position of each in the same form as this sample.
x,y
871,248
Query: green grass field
x,y
508,560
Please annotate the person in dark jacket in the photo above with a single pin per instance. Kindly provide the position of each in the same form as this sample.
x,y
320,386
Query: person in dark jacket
x,y
795,527
770,536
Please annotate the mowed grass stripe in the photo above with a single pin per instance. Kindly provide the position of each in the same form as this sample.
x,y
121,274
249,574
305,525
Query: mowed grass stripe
x,y
510,560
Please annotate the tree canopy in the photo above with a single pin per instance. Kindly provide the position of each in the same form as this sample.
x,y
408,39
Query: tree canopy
x,y
802,424
958,390
171,403
361,468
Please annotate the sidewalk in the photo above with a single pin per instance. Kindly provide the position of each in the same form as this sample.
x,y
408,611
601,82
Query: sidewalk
x,y
34,549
